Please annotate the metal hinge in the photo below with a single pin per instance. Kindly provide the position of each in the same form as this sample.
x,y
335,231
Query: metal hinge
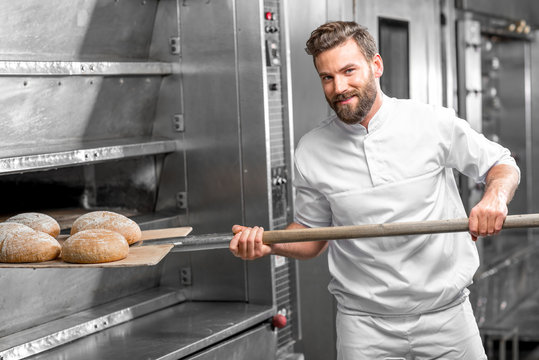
x,y
181,200
174,43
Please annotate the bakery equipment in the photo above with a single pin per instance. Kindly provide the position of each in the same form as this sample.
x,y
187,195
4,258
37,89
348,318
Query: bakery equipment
x,y
142,108
496,54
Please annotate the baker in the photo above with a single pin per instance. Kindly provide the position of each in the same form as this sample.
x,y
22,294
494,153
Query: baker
x,y
382,160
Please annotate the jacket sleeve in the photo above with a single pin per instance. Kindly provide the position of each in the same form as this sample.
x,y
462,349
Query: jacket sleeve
x,y
472,154
312,209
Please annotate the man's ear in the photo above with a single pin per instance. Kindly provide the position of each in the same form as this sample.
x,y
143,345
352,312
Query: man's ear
x,y
377,66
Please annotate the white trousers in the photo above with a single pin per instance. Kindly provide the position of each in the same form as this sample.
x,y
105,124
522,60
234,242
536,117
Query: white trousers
x,y
447,334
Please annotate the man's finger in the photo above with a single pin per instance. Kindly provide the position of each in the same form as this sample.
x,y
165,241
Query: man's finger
x,y
473,226
233,246
499,223
251,243
237,228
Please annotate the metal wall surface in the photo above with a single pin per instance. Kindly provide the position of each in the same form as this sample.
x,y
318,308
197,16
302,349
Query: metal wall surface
x,y
424,38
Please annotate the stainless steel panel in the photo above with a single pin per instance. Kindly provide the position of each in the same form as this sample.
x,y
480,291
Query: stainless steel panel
x,y
534,125
34,110
425,35
172,333
64,292
470,86
310,106
211,111
253,113
258,343
70,328
79,29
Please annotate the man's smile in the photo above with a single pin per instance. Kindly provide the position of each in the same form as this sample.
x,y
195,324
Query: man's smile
x,y
345,101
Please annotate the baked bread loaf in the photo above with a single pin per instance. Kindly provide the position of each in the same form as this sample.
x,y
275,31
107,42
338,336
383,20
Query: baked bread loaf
x,y
20,244
108,220
94,246
37,221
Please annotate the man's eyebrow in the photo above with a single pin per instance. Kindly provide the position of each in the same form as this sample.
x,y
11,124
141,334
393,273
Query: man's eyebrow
x,y
347,66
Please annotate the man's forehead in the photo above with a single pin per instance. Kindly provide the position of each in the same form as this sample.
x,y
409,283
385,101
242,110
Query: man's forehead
x,y
342,53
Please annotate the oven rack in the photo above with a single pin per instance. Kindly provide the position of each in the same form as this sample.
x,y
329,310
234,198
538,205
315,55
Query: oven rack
x,y
71,153
86,68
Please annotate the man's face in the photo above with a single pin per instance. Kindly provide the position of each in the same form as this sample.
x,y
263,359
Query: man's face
x,y
348,81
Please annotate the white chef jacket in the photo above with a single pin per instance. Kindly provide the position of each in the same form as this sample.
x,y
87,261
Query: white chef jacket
x,y
399,170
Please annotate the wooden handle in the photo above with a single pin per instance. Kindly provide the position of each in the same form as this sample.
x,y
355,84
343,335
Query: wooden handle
x,y
393,229
165,233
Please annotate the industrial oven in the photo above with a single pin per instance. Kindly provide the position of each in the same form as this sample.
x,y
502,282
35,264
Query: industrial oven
x,y
496,72
174,113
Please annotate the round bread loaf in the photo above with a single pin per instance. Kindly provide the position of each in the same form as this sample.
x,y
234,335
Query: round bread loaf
x,y
20,244
108,220
94,246
37,221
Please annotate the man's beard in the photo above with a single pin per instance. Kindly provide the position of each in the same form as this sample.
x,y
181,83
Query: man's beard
x,y
355,115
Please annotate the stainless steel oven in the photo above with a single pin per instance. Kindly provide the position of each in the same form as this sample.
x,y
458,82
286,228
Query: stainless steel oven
x,y
174,113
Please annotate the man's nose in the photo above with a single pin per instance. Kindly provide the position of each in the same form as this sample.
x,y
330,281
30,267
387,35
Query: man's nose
x,y
341,85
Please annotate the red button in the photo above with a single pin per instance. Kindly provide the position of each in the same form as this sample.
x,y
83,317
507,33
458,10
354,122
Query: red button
x,y
269,15
279,321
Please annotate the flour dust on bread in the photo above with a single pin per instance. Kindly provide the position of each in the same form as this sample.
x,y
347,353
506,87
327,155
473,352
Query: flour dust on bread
x,y
94,246
22,244
38,222
108,220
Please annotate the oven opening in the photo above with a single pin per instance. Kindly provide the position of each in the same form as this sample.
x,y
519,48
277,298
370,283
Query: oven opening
x,y
128,187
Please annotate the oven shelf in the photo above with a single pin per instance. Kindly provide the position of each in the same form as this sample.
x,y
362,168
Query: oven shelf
x,y
171,333
46,157
85,68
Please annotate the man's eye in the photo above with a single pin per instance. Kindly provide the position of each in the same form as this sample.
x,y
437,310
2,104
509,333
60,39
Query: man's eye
x,y
326,78
349,71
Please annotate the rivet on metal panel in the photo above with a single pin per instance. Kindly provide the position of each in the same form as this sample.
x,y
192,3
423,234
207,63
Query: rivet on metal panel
x,y
185,276
181,200
178,122
174,43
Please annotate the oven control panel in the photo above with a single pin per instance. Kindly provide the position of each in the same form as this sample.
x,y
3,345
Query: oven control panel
x,y
276,105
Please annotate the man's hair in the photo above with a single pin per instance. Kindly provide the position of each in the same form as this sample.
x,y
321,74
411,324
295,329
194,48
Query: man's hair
x,y
333,34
